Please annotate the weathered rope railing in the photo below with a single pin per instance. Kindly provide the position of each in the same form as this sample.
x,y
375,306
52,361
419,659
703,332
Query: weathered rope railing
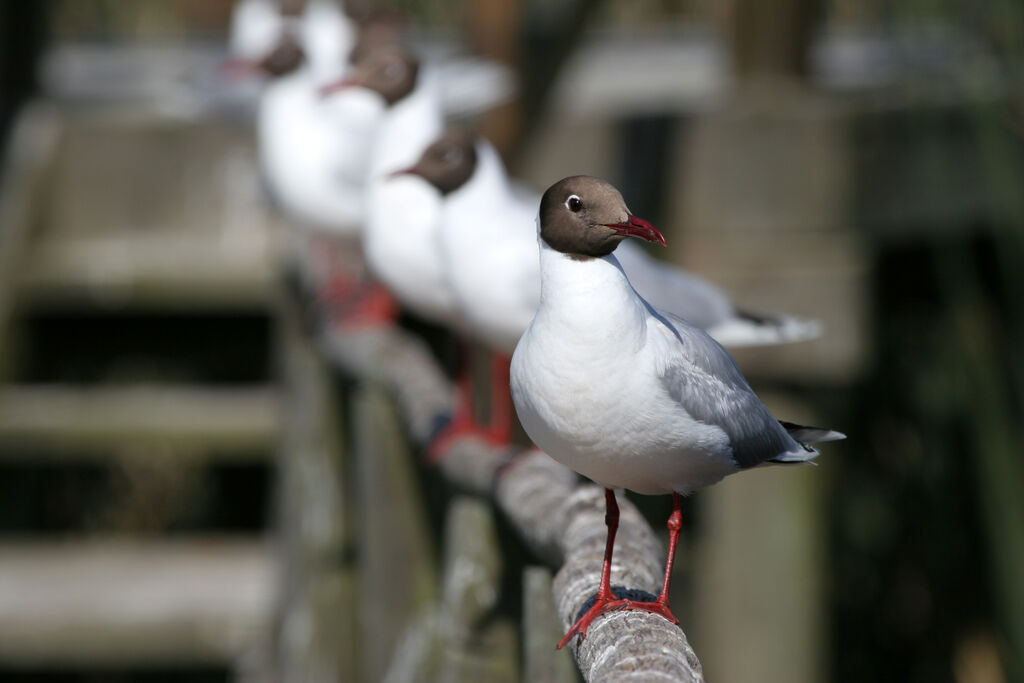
x,y
559,517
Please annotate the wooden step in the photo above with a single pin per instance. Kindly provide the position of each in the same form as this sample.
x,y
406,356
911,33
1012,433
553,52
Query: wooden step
x,y
122,602
151,269
69,422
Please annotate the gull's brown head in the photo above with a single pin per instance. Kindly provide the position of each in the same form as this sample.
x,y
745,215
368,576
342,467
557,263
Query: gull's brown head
x,y
286,57
387,70
585,217
448,163
292,8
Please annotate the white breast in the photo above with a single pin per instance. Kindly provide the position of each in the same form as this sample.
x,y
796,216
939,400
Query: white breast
x,y
314,158
585,381
401,246
489,245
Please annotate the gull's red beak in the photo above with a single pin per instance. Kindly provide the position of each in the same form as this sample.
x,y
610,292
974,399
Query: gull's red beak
x,y
342,84
237,68
412,170
638,227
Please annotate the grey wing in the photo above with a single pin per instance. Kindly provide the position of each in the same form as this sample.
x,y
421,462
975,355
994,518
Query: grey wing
x,y
706,382
674,290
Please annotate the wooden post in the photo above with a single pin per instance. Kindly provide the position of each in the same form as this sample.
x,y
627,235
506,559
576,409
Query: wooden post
x,y
396,565
541,662
473,649
759,577
402,365
766,214
317,628
493,29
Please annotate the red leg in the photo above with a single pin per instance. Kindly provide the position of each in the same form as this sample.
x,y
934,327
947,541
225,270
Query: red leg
x,y
463,422
611,520
501,400
605,600
464,389
675,523
373,305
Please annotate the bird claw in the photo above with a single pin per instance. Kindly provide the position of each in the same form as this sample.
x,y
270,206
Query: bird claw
x,y
599,606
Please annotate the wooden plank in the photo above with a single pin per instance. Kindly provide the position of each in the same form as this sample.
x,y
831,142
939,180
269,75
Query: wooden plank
x,y
66,422
317,633
154,269
122,602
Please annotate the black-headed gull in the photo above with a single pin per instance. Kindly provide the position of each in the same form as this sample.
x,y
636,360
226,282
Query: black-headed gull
x,y
315,152
402,211
326,33
623,393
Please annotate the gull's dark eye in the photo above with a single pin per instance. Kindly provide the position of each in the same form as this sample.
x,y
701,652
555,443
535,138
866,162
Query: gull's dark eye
x,y
451,155
394,71
574,203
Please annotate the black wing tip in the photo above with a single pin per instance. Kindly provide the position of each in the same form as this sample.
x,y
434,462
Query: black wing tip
x,y
757,318
806,435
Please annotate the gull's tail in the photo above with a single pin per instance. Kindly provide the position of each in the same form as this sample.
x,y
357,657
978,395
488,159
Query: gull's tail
x,y
805,435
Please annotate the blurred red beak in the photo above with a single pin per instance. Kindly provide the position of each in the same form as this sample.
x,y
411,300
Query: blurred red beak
x,y
331,88
412,170
638,227
236,68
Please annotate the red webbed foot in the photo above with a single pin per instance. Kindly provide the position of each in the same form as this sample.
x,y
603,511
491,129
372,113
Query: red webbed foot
x,y
621,599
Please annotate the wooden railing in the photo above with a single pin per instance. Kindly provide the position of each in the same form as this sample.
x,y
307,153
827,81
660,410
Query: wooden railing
x,y
416,625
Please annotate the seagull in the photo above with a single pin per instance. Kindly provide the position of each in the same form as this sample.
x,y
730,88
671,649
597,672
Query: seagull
x,y
488,240
402,211
323,28
624,393
492,298
315,153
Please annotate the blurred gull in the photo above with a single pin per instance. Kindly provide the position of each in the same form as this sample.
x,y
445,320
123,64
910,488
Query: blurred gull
x,y
321,27
402,211
315,151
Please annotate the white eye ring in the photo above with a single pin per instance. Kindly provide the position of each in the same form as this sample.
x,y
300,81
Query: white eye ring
x,y
574,207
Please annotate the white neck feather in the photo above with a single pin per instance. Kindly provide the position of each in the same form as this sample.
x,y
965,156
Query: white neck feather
x,y
592,295
467,208
409,127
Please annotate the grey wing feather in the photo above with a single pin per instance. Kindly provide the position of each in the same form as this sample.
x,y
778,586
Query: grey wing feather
x,y
709,386
670,289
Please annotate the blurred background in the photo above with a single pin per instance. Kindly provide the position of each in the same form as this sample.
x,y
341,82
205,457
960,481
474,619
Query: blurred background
x,y
857,162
